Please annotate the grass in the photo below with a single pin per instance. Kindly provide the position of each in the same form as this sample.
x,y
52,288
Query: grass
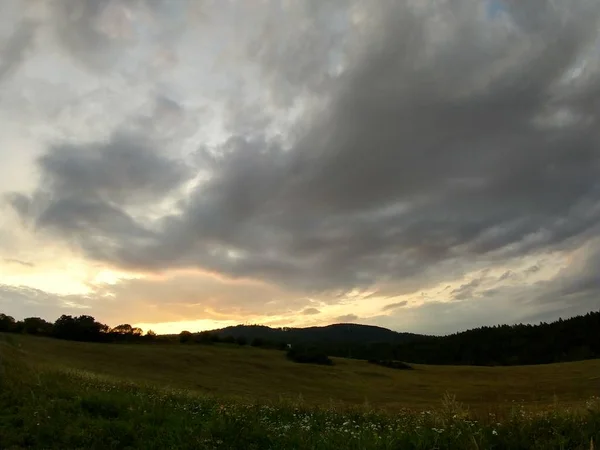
x,y
58,394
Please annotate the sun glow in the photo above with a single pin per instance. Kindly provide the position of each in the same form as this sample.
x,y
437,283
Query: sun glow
x,y
189,325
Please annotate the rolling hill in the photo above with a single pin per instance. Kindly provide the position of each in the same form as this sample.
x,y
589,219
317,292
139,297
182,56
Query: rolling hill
x,y
341,333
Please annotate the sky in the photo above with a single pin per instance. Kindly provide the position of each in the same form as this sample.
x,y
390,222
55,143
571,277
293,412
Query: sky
x,y
427,166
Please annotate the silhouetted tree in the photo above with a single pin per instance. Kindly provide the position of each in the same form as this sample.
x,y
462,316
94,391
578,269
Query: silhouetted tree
x,y
7,323
241,340
122,329
36,325
564,340
82,328
185,336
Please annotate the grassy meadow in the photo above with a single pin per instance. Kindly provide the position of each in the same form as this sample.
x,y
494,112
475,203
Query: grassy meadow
x,y
61,394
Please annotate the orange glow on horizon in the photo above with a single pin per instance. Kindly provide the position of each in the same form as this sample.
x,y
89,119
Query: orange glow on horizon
x,y
187,325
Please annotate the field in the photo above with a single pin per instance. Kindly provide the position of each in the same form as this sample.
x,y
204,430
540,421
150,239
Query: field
x,y
60,394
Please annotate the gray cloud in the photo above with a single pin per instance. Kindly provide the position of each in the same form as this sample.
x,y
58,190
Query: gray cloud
x,y
22,301
439,146
506,275
86,191
310,311
466,290
99,33
396,305
13,50
346,318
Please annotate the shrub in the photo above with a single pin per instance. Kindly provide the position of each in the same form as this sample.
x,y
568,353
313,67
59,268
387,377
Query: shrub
x,y
241,340
308,356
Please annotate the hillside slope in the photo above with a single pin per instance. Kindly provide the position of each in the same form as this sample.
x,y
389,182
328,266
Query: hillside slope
x,y
251,373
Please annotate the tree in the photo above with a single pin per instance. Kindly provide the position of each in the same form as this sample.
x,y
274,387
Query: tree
x,y
7,323
36,325
82,328
150,334
122,329
185,336
241,340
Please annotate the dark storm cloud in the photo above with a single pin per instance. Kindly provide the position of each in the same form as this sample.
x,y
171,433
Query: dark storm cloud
x,y
125,169
414,163
86,191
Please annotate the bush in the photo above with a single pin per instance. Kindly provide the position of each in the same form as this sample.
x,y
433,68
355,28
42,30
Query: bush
x,y
257,342
308,356
241,340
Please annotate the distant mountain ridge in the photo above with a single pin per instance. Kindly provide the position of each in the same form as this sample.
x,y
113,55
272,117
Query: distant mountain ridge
x,y
573,339
340,333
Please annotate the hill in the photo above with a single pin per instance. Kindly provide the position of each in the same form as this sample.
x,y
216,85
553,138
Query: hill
x,y
340,333
572,339
242,372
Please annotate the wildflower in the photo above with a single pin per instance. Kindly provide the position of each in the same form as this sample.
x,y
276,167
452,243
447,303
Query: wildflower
x,y
494,432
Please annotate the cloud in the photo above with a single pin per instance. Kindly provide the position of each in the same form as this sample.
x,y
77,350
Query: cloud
x,y
14,48
442,144
101,34
396,305
87,191
506,275
346,318
466,290
310,311
19,262
22,301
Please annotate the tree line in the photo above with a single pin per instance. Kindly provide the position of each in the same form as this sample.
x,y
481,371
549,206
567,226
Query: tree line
x,y
74,328
87,329
573,339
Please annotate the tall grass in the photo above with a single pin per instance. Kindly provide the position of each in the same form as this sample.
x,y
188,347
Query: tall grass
x,y
67,409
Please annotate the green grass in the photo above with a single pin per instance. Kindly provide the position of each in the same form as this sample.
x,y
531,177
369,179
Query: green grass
x,y
58,394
